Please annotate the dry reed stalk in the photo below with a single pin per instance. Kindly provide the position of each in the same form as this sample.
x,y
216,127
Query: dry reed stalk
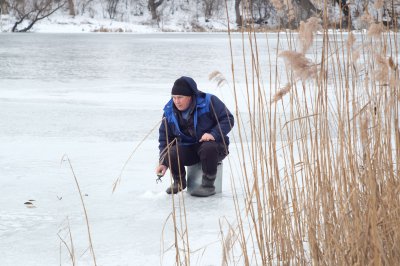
x,y
184,232
310,198
394,80
178,214
70,247
242,239
228,242
392,64
350,40
355,55
66,158
162,249
119,178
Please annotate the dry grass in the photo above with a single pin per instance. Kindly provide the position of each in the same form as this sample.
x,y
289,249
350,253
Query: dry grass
x,y
329,193
67,242
104,29
70,247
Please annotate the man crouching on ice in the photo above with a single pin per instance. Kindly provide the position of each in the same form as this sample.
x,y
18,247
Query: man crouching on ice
x,y
194,129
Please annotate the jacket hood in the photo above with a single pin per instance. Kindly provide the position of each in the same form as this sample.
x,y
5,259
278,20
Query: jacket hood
x,y
196,92
192,84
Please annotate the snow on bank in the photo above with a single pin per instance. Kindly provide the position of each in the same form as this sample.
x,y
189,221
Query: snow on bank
x,y
187,18
82,24
79,24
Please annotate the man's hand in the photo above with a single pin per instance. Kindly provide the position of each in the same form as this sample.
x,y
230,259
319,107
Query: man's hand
x,y
207,137
160,170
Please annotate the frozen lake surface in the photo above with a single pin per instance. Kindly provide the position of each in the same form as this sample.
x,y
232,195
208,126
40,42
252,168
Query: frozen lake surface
x,y
94,97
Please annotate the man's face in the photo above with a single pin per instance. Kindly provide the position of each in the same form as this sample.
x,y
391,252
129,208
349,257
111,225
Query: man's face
x,y
181,102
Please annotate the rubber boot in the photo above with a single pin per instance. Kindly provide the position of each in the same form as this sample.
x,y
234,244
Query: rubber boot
x,y
206,188
176,186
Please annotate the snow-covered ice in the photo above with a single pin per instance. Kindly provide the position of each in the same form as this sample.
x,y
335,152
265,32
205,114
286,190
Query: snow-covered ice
x,y
94,98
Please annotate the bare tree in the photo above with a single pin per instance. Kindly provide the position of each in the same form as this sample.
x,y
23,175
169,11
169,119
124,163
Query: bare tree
x,y
153,5
261,11
112,7
208,8
34,11
307,8
71,7
239,20
4,7
84,5
345,10
391,13
137,6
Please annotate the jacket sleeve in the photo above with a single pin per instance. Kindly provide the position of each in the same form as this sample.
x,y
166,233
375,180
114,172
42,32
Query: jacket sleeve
x,y
165,136
223,117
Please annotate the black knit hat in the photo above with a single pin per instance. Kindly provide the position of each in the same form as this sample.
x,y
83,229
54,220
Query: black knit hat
x,y
181,87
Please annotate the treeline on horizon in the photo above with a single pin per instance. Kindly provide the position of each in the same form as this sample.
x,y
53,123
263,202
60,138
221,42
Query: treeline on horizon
x,y
268,14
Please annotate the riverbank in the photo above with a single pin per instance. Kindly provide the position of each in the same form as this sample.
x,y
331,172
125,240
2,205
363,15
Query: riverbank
x,y
60,23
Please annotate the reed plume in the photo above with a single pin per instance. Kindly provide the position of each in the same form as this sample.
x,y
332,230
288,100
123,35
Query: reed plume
x,y
350,40
378,4
306,32
366,19
382,69
375,30
282,92
301,66
278,5
217,77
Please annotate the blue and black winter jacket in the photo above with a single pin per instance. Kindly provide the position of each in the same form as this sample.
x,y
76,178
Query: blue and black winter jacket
x,y
210,115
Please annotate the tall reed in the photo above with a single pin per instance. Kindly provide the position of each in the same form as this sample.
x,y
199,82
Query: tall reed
x,y
320,161
70,247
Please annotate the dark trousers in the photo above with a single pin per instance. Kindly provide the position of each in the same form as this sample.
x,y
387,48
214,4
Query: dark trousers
x,y
209,153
